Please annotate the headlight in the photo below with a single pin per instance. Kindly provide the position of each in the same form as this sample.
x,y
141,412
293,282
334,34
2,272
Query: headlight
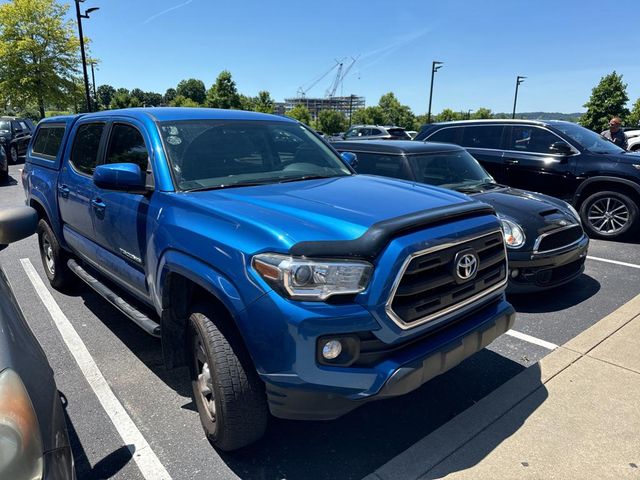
x,y
20,443
305,279
513,233
574,212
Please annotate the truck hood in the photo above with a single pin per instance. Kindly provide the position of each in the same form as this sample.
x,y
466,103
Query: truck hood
x,y
340,208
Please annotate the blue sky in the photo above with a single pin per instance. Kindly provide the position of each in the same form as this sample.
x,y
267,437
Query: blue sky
x,y
563,47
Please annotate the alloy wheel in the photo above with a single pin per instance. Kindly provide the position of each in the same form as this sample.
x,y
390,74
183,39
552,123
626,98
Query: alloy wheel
x,y
204,380
48,255
608,215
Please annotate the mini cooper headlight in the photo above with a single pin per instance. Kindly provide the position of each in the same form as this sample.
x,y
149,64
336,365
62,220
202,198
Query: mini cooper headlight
x,y
513,233
308,279
20,442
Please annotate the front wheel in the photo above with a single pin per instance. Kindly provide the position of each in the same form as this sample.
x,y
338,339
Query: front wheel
x,y
229,394
54,258
609,215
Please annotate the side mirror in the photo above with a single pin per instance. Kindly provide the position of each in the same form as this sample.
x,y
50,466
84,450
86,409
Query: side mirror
x,y
350,158
16,223
123,177
561,148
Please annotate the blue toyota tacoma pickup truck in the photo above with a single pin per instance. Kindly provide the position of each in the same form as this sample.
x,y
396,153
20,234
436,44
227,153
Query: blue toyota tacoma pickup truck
x,y
287,283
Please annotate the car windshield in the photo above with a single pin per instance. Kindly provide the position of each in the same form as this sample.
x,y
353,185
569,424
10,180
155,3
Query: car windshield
x,y
456,170
213,154
587,138
5,125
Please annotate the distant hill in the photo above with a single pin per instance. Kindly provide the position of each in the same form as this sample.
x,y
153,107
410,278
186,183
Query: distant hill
x,y
570,117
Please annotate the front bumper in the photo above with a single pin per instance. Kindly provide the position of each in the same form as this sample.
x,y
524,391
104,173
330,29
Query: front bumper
x,y
541,271
406,370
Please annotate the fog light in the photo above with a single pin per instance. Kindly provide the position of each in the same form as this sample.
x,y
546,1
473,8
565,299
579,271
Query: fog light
x,y
332,349
515,272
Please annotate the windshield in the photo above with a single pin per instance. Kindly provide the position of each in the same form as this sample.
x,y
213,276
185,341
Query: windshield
x,y
457,170
587,138
5,125
211,154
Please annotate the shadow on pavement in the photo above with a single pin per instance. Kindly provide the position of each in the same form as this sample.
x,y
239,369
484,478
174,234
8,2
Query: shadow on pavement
x,y
350,447
556,299
464,453
10,181
108,467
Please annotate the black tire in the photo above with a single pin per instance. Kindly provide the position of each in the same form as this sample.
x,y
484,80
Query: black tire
x,y
12,155
230,396
4,171
54,258
609,215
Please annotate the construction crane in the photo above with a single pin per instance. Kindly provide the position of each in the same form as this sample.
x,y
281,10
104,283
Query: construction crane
x,y
341,73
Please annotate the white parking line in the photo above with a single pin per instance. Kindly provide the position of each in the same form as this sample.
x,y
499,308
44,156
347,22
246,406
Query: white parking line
x,y
145,458
616,262
530,339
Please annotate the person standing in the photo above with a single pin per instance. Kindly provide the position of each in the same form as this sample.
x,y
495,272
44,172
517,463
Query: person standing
x,y
615,133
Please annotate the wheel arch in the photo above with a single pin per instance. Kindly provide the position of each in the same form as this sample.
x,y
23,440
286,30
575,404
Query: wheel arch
x,y
604,183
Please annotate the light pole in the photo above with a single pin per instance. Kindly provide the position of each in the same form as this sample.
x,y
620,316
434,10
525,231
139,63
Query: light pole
x,y
93,81
435,66
84,58
519,80
469,113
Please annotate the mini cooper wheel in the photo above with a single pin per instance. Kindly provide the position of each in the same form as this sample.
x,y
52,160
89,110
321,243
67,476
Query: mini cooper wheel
x,y
229,394
609,215
54,258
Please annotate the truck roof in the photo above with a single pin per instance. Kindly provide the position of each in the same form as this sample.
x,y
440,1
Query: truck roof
x,y
167,114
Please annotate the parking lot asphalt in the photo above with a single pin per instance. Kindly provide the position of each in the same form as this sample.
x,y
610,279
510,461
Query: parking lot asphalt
x,y
159,403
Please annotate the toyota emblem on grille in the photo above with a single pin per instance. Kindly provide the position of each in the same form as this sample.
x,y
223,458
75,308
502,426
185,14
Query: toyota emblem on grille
x,y
466,265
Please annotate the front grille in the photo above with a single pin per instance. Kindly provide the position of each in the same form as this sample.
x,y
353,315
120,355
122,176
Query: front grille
x,y
559,238
428,288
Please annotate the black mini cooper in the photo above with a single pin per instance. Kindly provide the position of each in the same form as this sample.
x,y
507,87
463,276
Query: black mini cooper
x,y
546,244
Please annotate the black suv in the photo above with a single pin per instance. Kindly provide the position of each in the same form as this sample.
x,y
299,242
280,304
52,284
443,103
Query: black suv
x,y
558,158
15,134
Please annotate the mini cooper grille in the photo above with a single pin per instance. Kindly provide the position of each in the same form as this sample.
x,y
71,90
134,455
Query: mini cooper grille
x,y
559,238
429,284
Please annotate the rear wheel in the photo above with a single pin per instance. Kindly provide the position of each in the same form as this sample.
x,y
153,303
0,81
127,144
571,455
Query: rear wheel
x,y
13,154
609,215
54,258
229,394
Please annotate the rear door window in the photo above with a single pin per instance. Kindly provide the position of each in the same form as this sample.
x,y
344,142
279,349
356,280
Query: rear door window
x,y
48,140
126,145
84,155
482,136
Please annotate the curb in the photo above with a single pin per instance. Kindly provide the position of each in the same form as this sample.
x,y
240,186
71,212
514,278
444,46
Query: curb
x,y
433,449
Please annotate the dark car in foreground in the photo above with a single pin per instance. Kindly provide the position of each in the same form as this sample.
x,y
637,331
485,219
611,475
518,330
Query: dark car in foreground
x,y
558,158
546,245
33,434
15,134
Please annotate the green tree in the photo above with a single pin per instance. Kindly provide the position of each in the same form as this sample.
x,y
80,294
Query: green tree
x,y
300,113
448,115
169,95
331,122
120,99
263,102
182,101
105,94
152,99
246,102
482,112
193,89
223,93
633,120
608,99
368,116
38,53
395,113
138,94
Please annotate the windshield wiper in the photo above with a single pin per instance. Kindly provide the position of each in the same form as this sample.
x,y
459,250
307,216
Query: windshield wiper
x,y
305,177
231,185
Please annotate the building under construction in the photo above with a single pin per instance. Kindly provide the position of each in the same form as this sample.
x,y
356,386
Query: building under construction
x,y
345,105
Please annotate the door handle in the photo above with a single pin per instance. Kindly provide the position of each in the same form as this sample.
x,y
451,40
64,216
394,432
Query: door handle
x,y
511,162
98,205
64,191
